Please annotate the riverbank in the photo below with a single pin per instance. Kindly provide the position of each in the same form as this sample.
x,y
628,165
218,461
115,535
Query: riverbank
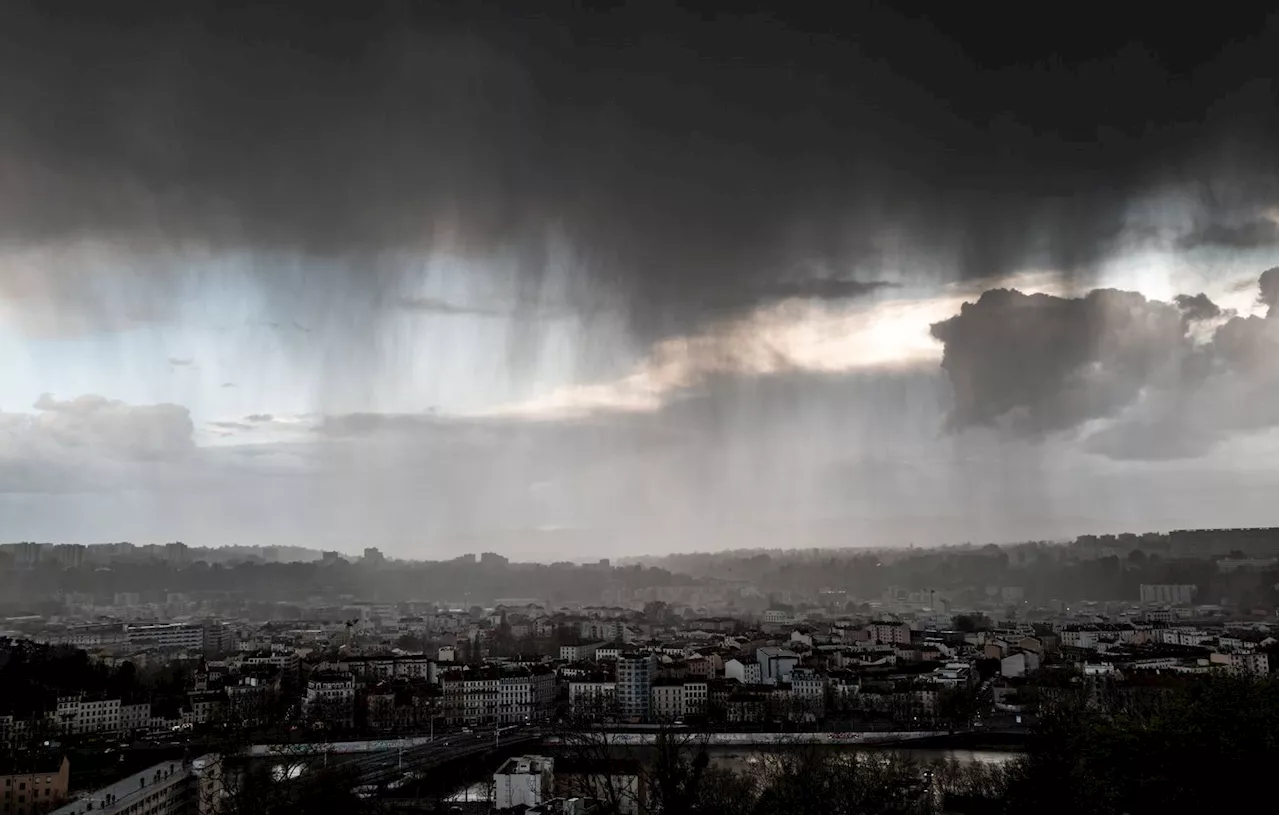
x,y
1003,741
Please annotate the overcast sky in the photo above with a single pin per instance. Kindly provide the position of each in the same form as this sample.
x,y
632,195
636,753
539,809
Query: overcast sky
x,y
635,280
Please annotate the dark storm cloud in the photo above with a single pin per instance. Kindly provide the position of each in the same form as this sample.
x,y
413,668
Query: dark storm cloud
x,y
1267,289
1197,307
681,156
1037,364
1254,234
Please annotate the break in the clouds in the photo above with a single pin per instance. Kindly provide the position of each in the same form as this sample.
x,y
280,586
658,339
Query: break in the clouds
x,y
426,275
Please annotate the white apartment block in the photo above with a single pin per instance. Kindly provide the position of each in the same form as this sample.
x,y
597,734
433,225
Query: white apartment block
x,y
86,636
287,662
748,673
494,695
374,668
574,653
1244,662
810,688
331,698
892,633
1167,594
776,664
167,635
75,715
526,696
591,696
168,788
523,781
1183,636
606,630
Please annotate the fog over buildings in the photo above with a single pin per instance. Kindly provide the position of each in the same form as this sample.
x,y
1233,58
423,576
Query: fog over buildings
x,y
393,277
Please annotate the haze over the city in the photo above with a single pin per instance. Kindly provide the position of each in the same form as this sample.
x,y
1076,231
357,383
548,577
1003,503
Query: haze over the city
x,y
632,283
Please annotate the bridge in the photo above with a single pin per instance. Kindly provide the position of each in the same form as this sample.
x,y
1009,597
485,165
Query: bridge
x,y
388,762
762,739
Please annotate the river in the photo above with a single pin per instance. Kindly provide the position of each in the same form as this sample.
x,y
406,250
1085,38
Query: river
x,y
747,760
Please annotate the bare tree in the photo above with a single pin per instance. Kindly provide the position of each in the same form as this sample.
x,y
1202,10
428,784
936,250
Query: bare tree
x,y
623,775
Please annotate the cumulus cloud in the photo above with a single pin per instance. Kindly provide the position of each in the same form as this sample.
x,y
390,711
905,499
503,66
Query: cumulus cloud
x,y
1045,363
1041,364
98,424
90,443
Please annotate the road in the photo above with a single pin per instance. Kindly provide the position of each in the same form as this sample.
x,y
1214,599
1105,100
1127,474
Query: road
x,y
386,761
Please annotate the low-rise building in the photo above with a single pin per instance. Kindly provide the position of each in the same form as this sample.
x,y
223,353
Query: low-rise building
x,y
580,651
32,784
1245,662
776,664
168,788
523,781
591,696
330,699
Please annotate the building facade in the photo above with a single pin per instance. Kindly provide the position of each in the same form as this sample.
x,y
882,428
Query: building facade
x,y
636,672
33,786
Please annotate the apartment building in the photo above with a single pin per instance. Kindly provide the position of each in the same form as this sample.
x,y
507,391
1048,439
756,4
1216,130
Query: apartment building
x,y
495,694
167,636
523,781
588,697
77,715
748,673
286,661
331,698
672,700
890,632
776,664
809,689
636,672
32,786
373,668
1167,594
168,788
581,651
606,630
1242,662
